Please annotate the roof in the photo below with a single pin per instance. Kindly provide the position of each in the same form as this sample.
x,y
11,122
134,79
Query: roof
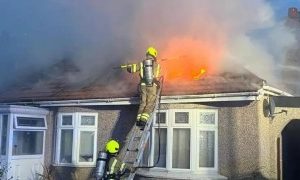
x,y
62,82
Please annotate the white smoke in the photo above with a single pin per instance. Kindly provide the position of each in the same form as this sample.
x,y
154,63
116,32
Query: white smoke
x,y
99,34
264,57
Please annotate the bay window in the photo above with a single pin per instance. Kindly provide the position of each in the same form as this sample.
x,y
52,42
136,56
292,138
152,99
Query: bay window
x,y
185,140
22,142
76,139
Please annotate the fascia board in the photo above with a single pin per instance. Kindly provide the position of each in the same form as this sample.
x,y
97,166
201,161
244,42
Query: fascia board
x,y
22,110
243,96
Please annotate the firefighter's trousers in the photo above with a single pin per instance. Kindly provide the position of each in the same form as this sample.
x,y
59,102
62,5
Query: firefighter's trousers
x,y
147,101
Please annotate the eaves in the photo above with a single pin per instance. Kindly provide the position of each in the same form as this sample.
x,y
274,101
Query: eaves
x,y
218,97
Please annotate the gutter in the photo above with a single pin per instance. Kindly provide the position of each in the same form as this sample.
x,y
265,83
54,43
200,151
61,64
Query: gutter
x,y
242,96
268,90
217,97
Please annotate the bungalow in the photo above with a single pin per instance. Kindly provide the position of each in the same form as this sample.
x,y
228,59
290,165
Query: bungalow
x,y
223,126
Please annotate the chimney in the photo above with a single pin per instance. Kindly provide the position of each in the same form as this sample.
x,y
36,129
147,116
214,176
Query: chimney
x,y
293,13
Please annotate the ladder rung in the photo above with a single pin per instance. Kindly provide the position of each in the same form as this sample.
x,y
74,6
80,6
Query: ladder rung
x,y
129,162
137,137
137,143
132,150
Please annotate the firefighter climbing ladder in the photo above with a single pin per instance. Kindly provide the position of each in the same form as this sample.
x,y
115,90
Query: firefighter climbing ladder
x,y
138,141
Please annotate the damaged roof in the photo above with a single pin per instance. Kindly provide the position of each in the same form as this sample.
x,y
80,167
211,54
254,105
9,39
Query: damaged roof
x,y
64,81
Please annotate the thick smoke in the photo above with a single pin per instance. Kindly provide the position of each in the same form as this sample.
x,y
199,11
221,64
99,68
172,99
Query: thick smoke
x,y
100,34
36,34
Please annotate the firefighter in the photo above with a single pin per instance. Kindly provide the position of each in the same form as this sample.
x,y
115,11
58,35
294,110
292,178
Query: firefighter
x,y
115,168
149,71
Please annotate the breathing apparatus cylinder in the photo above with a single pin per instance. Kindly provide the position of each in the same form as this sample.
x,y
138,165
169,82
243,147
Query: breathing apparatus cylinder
x,y
148,71
101,164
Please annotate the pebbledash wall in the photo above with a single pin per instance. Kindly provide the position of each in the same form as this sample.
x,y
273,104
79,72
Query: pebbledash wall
x,y
246,138
108,126
270,129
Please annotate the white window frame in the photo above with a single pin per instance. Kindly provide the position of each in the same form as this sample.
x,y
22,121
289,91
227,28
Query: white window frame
x,y
16,126
60,125
77,129
33,155
195,127
29,128
208,127
173,125
156,126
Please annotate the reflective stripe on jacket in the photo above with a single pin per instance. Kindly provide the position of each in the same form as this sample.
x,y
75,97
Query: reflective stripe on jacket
x,y
116,167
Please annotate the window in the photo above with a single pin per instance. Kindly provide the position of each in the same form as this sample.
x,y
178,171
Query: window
x,y
28,135
181,148
28,142
30,123
207,134
76,139
188,140
160,139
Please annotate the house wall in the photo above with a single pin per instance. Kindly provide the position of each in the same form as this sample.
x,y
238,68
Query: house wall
x,y
49,143
247,139
270,131
108,127
238,140
49,140
238,136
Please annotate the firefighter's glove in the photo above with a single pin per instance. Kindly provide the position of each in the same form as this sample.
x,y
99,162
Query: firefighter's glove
x,y
129,69
133,169
157,83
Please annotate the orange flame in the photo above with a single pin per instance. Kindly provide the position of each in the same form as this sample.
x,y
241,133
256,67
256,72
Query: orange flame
x,y
199,75
185,56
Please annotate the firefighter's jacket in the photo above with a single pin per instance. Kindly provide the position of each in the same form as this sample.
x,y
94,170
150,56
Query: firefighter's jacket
x,y
116,168
139,67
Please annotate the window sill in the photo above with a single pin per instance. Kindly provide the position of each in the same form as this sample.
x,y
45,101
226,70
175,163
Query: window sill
x,y
163,174
73,165
36,156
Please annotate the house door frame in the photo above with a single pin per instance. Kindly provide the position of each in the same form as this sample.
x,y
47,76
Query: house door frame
x,y
279,157
286,150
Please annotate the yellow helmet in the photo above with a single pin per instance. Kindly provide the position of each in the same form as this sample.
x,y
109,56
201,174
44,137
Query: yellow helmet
x,y
112,146
152,51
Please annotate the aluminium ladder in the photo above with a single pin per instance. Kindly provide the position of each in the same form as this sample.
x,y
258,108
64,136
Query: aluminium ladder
x,y
138,141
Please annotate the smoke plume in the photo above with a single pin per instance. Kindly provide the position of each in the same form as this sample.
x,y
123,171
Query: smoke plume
x,y
100,34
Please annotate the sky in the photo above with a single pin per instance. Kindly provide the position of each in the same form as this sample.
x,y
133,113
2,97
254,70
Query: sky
x,y
99,34
281,6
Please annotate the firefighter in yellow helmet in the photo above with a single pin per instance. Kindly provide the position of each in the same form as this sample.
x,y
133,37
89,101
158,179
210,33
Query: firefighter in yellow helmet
x,y
116,168
149,71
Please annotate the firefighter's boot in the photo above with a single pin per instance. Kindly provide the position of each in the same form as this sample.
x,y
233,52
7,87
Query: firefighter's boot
x,y
141,124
